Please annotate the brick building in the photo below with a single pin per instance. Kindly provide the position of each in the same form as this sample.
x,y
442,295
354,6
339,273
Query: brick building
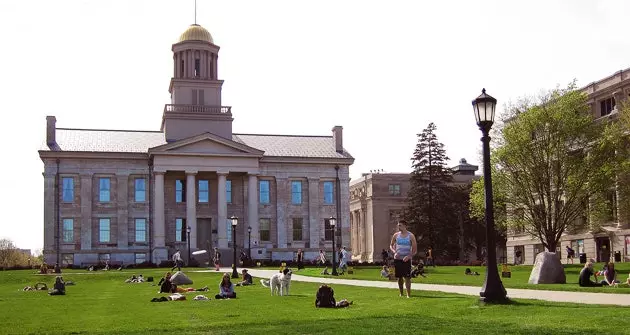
x,y
598,240
376,202
129,196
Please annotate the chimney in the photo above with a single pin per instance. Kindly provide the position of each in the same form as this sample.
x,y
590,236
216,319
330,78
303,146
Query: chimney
x,y
51,127
338,138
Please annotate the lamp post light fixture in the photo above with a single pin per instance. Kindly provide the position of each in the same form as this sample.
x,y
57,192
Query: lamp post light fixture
x,y
188,240
492,290
234,220
333,222
249,243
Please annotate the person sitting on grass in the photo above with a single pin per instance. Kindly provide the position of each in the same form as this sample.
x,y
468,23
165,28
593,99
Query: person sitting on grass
x,y
385,272
418,270
59,288
247,279
610,275
226,288
165,284
585,276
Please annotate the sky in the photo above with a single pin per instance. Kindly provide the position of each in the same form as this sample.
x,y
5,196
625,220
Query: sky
x,y
381,69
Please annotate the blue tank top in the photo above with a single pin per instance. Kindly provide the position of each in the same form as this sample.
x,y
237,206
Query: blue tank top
x,y
403,245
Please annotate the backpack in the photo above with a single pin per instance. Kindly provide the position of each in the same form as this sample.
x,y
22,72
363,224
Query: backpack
x,y
325,297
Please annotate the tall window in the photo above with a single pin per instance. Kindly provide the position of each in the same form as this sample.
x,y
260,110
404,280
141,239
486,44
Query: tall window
x,y
141,230
394,189
104,187
328,230
228,191
104,230
140,190
296,192
141,258
181,69
180,230
67,259
104,257
264,229
180,191
204,191
297,229
606,106
68,189
68,230
197,67
329,192
264,192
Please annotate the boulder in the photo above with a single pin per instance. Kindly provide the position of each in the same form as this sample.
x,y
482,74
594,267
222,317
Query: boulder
x,y
547,269
179,278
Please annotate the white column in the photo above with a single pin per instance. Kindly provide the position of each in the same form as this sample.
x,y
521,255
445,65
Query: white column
x,y
222,211
252,209
159,236
191,207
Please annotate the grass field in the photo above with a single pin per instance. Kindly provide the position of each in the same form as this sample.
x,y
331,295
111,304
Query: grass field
x,y
454,275
101,303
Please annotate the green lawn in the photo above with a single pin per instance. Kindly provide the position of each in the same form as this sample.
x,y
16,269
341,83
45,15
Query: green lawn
x,y
454,275
101,303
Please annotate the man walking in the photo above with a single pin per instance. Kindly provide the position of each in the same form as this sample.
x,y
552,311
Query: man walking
x,y
177,259
404,247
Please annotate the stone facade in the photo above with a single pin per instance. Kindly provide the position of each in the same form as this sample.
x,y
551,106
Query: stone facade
x,y
129,196
377,201
601,241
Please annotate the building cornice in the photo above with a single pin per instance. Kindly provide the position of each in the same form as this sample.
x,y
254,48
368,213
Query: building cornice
x,y
307,160
93,155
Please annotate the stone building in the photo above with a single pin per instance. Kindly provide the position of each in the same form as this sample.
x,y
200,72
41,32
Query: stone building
x,y
601,240
376,202
130,196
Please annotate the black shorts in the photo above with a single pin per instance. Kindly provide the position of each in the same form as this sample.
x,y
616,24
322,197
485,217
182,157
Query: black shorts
x,y
402,269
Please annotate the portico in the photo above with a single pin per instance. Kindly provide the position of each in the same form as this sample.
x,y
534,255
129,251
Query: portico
x,y
213,159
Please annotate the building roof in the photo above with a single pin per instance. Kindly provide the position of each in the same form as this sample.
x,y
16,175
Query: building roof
x,y
196,33
135,141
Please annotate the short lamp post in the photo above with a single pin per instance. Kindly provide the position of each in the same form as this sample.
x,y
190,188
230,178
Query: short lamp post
x,y
492,290
333,222
249,243
234,220
188,240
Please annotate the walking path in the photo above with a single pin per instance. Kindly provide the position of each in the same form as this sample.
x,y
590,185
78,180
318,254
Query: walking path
x,y
557,296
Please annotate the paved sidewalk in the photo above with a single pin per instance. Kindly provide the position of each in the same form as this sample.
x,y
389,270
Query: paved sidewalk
x,y
557,296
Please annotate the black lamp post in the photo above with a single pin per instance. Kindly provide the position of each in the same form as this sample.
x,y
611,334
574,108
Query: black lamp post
x,y
234,223
333,222
249,243
492,290
188,239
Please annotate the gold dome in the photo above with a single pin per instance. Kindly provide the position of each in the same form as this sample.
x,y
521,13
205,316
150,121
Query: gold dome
x,y
196,33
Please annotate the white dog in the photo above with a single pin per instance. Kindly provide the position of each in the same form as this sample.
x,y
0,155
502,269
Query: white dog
x,y
279,282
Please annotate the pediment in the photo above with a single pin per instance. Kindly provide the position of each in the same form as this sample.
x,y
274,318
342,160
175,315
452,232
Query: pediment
x,y
207,144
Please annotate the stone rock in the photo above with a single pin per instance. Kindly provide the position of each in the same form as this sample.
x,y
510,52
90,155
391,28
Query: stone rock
x,y
547,269
179,278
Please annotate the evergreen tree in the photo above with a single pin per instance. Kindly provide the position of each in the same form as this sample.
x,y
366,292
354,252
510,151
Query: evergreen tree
x,y
429,211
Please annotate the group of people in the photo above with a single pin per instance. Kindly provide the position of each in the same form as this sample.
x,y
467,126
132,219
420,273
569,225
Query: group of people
x,y
608,273
226,287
